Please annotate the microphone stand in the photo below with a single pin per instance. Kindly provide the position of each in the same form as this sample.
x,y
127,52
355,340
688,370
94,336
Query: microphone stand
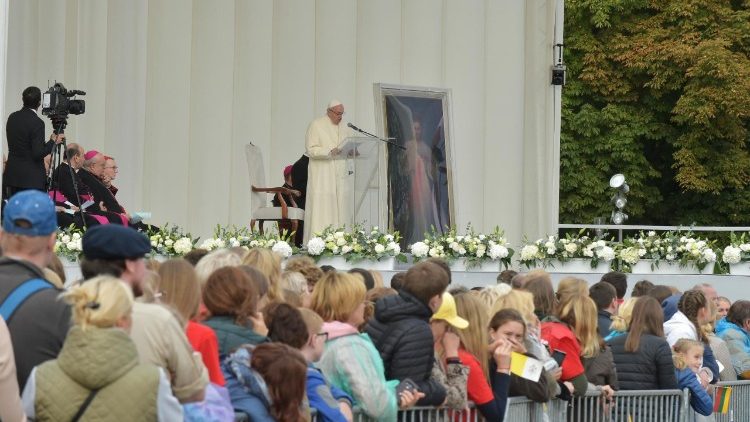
x,y
386,140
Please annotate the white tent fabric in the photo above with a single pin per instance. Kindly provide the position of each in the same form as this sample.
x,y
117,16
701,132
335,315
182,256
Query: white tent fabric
x,y
176,89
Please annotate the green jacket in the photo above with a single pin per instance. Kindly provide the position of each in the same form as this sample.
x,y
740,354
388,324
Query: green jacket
x,y
231,335
102,359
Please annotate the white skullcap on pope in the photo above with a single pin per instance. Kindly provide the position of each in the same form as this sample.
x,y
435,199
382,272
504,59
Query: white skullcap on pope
x,y
334,103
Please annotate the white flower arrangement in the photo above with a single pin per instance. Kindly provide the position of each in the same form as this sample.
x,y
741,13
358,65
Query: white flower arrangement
x,y
243,237
355,245
171,241
69,243
545,251
672,247
472,248
737,251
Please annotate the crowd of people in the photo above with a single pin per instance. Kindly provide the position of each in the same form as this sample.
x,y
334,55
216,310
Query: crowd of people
x,y
214,334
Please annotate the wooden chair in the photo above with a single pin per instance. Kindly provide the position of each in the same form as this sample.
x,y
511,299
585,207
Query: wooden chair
x,y
287,215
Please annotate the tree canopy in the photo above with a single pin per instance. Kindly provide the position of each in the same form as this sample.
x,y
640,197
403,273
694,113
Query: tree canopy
x,y
659,91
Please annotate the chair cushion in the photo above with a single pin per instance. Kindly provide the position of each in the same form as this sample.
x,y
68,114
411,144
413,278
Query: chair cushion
x,y
274,213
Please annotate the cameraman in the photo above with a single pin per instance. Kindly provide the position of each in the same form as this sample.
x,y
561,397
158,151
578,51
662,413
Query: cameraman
x,y
26,146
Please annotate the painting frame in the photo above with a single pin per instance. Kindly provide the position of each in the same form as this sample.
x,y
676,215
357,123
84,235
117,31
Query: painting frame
x,y
406,114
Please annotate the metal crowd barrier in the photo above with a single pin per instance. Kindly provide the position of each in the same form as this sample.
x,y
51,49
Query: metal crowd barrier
x,y
626,406
739,402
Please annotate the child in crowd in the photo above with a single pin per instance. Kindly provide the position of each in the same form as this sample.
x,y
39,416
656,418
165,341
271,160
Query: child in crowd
x,y
688,360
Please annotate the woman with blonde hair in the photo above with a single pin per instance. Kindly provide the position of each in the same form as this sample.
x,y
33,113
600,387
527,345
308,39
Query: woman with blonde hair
x,y
268,263
572,330
487,389
621,321
571,286
523,302
99,365
350,360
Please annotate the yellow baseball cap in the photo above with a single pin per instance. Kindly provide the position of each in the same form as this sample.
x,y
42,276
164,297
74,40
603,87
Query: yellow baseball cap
x,y
447,312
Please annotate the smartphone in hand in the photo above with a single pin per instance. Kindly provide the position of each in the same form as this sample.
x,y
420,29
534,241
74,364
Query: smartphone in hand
x,y
559,357
406,385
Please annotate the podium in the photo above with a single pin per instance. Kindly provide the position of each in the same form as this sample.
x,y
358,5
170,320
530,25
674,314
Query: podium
x,y
361,159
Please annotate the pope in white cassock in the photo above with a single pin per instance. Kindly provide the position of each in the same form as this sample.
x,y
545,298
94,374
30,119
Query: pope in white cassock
x,y
329,200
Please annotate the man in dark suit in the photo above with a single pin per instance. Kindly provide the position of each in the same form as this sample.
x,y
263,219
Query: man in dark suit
x,y
26,146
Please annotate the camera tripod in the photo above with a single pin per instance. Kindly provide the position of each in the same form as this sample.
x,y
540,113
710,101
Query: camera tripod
x,y
58,155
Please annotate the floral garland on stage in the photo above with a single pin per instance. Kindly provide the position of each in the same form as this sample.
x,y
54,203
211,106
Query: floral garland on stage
x,y
473,248
355,245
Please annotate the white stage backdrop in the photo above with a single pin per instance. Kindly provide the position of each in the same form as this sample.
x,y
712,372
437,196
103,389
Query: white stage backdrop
x,y
177,87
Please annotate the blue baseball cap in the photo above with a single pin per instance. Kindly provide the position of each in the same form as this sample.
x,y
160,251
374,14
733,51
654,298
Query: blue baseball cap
x,y
113,241
30,213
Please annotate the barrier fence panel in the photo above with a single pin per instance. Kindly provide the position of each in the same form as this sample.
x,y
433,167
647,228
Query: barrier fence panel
x,y
626,406
646,406
739,402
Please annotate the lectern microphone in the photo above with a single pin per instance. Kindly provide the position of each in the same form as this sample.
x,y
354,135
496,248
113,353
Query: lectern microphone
x,y
387,141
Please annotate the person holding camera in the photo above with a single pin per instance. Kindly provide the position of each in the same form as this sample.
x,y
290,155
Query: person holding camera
x,y
26,146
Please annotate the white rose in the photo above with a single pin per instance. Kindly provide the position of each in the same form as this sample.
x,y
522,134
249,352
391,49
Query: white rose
x,y
434,252
670,257
588,252
335,250
234,242
169,242
345,249
571,247
340,241
461,251
254,243
700,244
76,236
329,238
396,248
732,255
65,239
154,243
455,246
601,243
551,251
482,237
549,245
389,237
709,255
745,247
651,233
282,248
338,235
480,253
419,249
315,246
183,246
379,248
528,252
449,240
695,252
641,253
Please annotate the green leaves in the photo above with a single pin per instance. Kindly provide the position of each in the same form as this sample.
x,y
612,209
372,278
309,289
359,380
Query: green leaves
x,y
658,91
